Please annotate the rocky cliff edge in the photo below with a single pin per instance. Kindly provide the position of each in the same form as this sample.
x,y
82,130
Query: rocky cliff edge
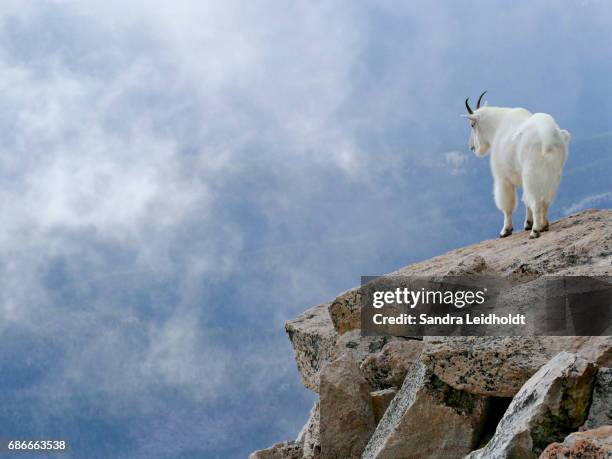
x,y
447,397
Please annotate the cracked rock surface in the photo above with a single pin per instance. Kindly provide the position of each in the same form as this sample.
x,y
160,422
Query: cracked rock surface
x,y
552,403
388,397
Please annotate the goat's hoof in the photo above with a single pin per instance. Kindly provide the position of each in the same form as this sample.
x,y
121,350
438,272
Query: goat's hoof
x,y
534,234
506,232
528,225
545,227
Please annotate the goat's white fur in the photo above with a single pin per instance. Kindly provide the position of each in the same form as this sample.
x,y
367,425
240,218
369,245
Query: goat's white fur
x,y
527,150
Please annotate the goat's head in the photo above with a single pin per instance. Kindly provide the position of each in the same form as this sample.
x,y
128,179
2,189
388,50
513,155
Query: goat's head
x,y
478,142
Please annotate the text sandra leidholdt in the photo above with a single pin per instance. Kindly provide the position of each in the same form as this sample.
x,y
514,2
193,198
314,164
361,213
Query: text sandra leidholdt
x,y
486,306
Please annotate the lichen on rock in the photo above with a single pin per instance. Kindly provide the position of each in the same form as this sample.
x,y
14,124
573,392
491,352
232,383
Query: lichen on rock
x,y
452,388
552,403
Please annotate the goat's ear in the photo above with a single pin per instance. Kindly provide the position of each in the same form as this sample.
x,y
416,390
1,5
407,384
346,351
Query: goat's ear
x,y
471,117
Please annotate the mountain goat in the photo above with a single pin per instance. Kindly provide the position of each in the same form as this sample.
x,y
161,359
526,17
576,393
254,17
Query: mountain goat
x,y
527,150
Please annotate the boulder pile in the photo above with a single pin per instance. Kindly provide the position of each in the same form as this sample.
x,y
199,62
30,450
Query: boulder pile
x,y
461,397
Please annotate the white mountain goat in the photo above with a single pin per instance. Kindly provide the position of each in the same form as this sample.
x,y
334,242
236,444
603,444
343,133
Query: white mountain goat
x,y
527,150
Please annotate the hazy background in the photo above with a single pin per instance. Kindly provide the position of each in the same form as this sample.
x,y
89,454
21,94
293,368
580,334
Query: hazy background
x,y
177,181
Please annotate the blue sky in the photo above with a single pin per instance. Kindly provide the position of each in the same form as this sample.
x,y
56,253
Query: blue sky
x,y
178,180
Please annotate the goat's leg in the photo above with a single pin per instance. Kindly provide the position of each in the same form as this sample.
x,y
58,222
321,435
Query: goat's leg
x,y
545,217
505,199
528,218
539,220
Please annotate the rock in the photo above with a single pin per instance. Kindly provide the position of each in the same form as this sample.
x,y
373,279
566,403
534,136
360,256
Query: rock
x,y
284,450
597,349
590,444
577,245
388,367
552,403
305,446
499,366
347,416
381,400
600,412
582,240
456,367
428,418
313,338
472,265
345,311
309,435
360,347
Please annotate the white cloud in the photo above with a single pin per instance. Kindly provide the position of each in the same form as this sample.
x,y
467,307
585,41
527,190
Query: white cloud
x,y
456,161
591,200
121,164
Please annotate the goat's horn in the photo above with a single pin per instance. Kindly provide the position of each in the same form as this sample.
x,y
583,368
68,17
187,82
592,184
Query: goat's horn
x,y
467,105
479,99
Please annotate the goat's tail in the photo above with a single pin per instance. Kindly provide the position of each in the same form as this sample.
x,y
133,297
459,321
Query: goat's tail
x,y
565,135
557,144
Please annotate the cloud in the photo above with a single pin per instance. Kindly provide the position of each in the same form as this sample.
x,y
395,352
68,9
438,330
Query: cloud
x,y
139,149
456,161
588,201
